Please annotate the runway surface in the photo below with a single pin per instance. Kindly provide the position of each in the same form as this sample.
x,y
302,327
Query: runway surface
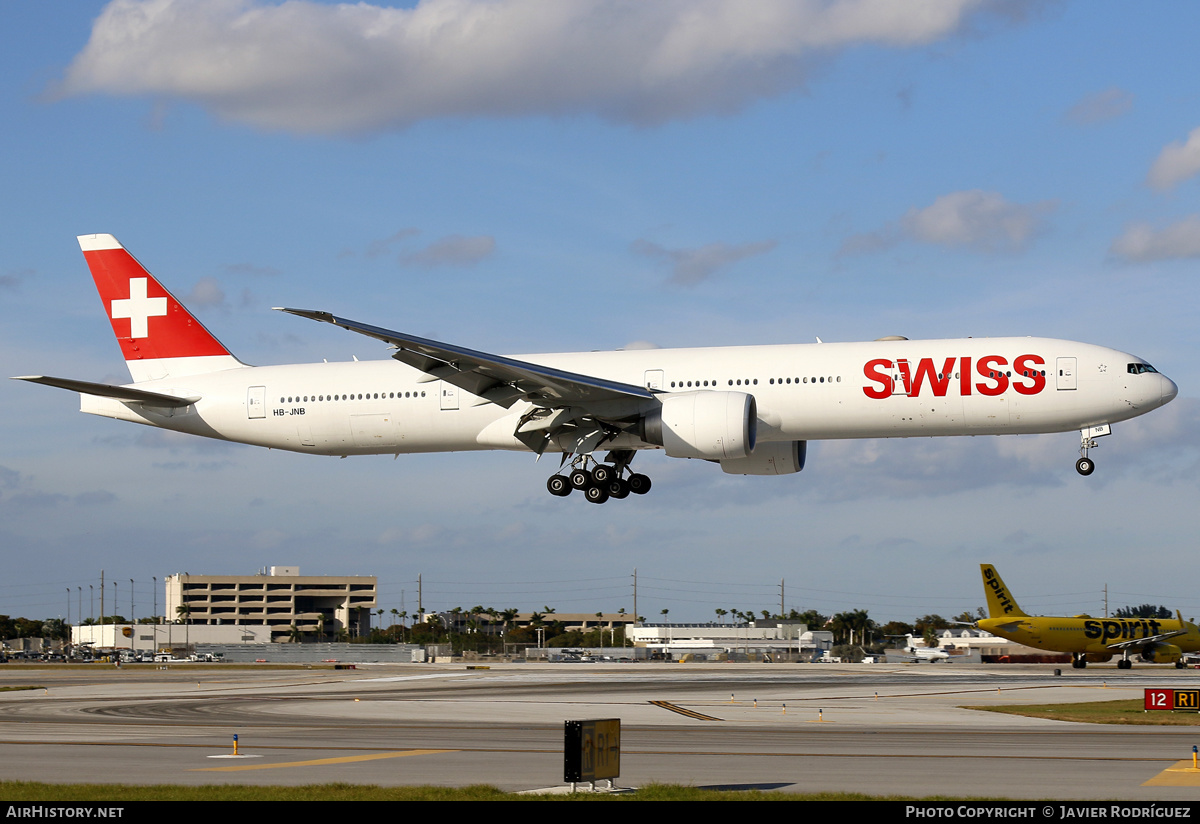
x,y
878,729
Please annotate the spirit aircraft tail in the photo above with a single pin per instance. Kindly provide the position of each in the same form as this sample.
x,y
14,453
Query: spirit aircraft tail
x,y
158,336
1000,603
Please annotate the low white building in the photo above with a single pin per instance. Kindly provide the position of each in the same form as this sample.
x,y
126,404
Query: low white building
x,y
166,637
776,639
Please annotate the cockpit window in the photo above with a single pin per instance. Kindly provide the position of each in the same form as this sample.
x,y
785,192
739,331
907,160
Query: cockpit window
x,y
1139,368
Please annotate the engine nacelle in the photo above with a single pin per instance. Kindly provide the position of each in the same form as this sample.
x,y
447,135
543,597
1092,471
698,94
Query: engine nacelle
x,y
775,458
714,426
1162,654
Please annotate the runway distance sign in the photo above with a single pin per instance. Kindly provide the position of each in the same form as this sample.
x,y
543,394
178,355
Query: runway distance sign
x,y
1169,699
592,750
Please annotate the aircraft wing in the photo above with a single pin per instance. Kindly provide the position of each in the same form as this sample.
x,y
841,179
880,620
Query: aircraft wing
x,y
1137,643
122,393
495,378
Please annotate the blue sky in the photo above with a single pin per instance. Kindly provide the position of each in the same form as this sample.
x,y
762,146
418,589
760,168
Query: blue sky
x,y
518,177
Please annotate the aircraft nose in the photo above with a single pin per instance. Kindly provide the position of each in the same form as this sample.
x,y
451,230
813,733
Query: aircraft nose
x,y
1169,389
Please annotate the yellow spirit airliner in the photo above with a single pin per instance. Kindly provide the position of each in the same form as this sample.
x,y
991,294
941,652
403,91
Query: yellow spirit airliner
x,y
1087,638
751,409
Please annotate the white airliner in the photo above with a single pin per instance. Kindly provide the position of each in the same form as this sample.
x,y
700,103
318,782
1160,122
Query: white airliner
x,y
752,409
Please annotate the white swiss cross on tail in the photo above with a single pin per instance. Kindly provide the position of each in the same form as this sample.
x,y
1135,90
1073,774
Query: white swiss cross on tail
x,y
138,308
180,344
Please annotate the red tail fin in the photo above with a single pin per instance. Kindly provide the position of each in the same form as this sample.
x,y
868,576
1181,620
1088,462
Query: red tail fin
x,y
158,336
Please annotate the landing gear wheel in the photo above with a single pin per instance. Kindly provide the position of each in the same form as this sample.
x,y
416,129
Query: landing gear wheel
x,y
559,486
1085,466
602,474
1179,664
618,488
596,494
639,484
1124,663
1079,663
580,478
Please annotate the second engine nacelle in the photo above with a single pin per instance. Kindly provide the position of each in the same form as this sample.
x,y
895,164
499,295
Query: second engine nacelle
x,y
715,426
1161,654
776,458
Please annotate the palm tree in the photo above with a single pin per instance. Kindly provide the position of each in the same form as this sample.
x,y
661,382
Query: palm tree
x,y
509,615
184,611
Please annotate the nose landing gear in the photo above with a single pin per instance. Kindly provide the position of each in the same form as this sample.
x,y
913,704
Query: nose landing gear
x,y
1087,440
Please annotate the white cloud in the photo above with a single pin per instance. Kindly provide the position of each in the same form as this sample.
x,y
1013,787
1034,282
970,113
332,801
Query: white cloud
x,y
1176,162
1101,106
206,292
305,67
974,219
1141,242
452,250
692,266
381,246
983,221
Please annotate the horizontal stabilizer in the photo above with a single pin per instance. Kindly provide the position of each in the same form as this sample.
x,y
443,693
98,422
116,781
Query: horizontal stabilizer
x,y
1138,643
104,390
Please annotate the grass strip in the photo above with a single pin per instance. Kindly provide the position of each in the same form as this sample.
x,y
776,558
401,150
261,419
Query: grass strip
x,y
1129,712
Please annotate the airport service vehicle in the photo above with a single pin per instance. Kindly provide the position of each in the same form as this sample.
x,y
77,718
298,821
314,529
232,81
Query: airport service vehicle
x,y
749,409
1155,640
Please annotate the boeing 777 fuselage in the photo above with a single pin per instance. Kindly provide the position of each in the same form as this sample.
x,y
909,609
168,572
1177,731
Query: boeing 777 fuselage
x,y
752,409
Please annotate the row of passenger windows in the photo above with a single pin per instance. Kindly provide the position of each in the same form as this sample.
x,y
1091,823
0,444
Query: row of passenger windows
x,y
367,396
754,382
1027,373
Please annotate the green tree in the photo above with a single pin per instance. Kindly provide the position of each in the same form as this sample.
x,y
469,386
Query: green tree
x,y
854,624
55,629
1144,611
895,630
811,618
930,622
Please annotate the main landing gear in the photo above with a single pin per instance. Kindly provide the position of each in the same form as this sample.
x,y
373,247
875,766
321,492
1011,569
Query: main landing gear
x,y
602,481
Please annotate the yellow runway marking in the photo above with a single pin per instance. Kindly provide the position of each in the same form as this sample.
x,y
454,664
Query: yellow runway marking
x,y
322,762
1181,774
699,716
